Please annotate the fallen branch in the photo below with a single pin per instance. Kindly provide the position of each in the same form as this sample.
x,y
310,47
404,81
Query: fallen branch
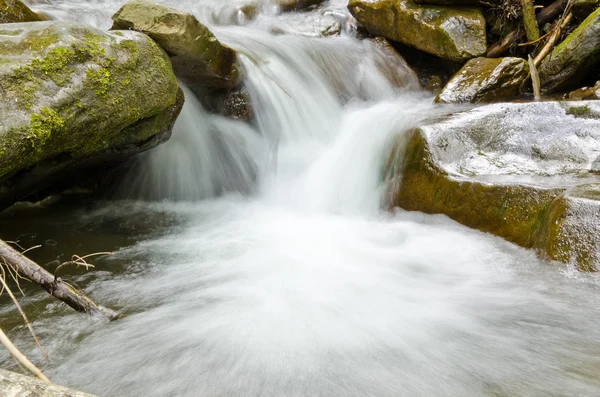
x,y
543,17
20,357
53,285
552,40
532,30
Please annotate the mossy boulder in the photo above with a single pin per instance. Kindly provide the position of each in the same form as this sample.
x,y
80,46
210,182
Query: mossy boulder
x,y
454,33
571,60
519,171
485,80
198,57
74,99
15,11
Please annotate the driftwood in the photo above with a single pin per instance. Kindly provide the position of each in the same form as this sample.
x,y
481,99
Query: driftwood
x,y
543,17
53,285
17,385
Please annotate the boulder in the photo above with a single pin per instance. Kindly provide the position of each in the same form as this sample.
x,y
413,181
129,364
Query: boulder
x,y
485,80
291,5
17,385
73,100
519,171
198,57
569,62
16,11
454,33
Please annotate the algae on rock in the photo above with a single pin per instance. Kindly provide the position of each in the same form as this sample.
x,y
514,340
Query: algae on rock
x,y
454,33
73,98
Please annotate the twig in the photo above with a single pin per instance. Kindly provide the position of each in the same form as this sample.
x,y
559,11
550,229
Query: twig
x,y
535,79
20,309
20,357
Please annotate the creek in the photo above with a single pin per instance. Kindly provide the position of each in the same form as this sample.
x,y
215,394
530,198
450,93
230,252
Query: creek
x,y
255,259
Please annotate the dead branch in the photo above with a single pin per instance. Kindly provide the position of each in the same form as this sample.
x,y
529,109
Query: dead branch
x,y
535,79
552,40
20,357
529,21
53,285
543,17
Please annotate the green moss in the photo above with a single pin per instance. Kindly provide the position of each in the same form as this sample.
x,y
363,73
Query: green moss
x,y
43,125
582,112
98,80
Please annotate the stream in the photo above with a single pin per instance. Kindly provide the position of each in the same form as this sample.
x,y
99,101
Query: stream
x,y
255,259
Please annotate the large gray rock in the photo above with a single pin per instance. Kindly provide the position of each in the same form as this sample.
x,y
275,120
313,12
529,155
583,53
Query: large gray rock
x,y
17,385
485,80
454,33
520,171
571,60
198,57
74,99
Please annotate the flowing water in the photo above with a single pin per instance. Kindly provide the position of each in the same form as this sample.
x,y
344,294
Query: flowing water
x,y
254,259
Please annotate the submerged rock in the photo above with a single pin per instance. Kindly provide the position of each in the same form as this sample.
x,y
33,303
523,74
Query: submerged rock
x,y
570,61
17,385
291,5
198,57
308,24
15,11
454,33
520,171
485,80
74,99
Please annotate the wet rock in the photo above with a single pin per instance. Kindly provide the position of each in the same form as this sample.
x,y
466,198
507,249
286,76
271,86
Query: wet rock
x,y
16,11
197,56
74,99
504,169
293,5
235,103
596,165
17,385
457,34
485,80
586,93
393,65
569,62
308,24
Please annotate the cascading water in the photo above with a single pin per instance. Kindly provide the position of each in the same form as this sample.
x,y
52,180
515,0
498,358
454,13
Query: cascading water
x,y
304,288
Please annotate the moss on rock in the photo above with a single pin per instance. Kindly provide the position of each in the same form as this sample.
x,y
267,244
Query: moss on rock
x,y
15,11
77,95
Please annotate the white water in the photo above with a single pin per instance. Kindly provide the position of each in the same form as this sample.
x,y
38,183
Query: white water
x,y
304,288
